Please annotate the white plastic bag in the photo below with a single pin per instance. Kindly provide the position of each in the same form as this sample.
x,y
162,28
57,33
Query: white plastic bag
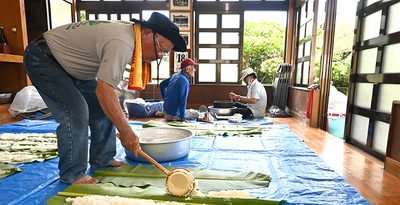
x,y
337,101
26,100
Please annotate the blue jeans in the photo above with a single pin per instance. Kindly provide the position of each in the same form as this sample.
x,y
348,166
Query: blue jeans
x,y
75,107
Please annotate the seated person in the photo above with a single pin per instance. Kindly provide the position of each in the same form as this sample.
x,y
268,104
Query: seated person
x,y
141,108
254,104
175,91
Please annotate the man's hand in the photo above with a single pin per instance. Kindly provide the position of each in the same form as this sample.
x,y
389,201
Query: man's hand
x,y
130,141
233,96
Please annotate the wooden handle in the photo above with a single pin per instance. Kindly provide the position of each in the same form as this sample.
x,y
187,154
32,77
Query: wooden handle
x,y
154,162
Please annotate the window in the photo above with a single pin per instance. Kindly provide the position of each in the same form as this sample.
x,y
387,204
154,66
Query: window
x,y
374,85
60,12
264,42
218,47
305,45
219,37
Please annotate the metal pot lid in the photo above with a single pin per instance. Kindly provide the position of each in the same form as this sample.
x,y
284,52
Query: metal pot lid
x,y
223,104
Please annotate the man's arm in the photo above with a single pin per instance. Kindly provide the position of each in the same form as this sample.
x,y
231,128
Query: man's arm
x,y
111,107
237,98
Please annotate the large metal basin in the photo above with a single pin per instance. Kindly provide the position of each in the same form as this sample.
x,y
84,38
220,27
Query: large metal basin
x,y
222,111
163,143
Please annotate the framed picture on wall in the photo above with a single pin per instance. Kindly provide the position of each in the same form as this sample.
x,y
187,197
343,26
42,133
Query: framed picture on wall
x,y
186,36
181,19
178,58
180,5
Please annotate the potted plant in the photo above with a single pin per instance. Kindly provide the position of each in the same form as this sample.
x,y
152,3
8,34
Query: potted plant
x,y
3,42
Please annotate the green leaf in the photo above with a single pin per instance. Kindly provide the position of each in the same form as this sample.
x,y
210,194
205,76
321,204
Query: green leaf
x,y
208,180
209,129
7,170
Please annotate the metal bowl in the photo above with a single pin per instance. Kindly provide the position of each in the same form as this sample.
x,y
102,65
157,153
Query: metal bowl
x,y
163,143
221,111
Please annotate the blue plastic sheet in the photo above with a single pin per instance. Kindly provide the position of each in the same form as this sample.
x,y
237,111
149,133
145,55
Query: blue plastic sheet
x,y
298,174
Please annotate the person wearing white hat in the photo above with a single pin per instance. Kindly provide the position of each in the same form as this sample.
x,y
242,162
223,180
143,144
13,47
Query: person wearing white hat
x,y
254,104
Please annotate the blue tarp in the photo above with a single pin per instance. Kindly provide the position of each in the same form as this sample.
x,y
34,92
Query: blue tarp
x,y
298,174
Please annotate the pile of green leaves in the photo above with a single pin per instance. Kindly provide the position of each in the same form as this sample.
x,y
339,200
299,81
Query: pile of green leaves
x,y
209,129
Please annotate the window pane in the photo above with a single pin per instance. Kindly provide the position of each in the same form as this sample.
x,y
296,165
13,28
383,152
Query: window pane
x,y
103,17
114,17
207,21
309,26
207,38
371,25
363,95
60,13
147,13
229,73
230,21
230,54
207,72
381,133
164,69
306,70
310,8
369,2
307,48
359,128
298,73
302,32
300,51
367,60
207,53
92,17
230,38
136,16
393,24
303,14
391,60
125,17
387,93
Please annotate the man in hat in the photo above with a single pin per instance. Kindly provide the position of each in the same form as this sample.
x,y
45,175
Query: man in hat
x,y
175,91
254,103
76,68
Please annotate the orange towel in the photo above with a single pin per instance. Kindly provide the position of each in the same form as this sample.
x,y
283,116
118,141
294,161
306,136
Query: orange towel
x,y
140,73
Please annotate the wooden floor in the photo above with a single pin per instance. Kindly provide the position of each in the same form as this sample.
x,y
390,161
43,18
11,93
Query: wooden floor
x,y
364,172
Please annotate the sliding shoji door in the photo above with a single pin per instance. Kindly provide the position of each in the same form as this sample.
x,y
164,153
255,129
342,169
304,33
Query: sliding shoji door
x,y
375,76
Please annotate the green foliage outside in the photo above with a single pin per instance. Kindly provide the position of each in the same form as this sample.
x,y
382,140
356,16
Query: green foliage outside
x,y
342,53
263,48
341,63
